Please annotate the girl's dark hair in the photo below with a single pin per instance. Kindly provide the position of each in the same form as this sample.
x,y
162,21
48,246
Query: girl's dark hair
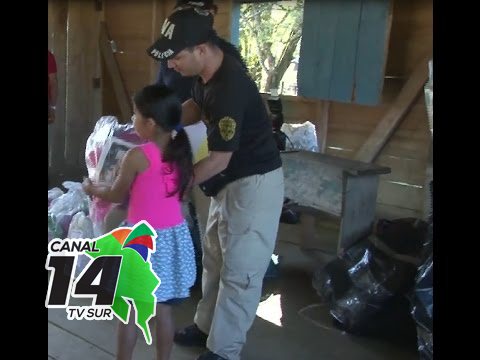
x,y
162,105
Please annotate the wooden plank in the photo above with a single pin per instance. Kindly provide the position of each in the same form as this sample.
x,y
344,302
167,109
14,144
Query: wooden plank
x,y
371,57
403,148
321,124
356,115
411,35
411,171
112,67
57,43
133,37
360,120
391,212
345,51
295,113
358,210
81,65
324,126
319,187
315,71
353,167
401,194
222,25
316,180
398,109
224,6
410,140
97,84
400,145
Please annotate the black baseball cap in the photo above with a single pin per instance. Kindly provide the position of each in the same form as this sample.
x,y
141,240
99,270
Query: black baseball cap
x,y
185,27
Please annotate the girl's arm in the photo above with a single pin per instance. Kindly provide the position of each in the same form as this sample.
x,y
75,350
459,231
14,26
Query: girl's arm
x,y
117,193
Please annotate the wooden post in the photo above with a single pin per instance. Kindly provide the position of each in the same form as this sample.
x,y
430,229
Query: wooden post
x,y
324,126
57,43
358,208
82,58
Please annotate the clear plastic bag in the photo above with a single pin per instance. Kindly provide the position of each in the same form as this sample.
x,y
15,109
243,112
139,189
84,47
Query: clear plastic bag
x,y
63,208
105,148
300,136
53,194
422,309
81,228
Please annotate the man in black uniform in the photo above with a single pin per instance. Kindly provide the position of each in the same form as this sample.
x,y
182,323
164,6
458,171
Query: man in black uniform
x,y
242,173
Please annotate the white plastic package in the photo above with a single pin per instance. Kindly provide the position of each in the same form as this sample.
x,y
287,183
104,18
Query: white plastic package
x,y
300,136
62,209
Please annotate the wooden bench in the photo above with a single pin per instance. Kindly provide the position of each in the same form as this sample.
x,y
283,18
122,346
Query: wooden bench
x,y
344,188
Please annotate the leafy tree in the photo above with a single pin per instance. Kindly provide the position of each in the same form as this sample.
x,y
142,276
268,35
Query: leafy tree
x,y
269,35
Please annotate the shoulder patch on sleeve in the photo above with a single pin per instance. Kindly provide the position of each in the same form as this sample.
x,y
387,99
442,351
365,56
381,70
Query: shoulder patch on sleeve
x,y
227,127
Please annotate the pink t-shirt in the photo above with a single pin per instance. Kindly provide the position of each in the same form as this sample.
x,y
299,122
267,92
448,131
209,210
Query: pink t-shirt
x,y
149,199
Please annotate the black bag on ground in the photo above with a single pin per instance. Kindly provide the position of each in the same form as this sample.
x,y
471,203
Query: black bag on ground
x,y
374,277
422,309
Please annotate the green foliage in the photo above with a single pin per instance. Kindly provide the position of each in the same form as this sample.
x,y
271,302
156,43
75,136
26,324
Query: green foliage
x,y
269,36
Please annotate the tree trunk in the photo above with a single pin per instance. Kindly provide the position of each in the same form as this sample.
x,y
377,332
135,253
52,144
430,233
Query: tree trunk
x,y
276,74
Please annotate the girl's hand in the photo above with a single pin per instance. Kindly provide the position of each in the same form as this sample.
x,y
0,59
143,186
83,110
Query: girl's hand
x,y
87,186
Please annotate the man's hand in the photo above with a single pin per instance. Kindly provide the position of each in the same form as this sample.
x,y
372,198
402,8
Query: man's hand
x,y
214,163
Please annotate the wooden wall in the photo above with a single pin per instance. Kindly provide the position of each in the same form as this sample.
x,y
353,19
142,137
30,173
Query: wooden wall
x,y
134,26
73,37
401,193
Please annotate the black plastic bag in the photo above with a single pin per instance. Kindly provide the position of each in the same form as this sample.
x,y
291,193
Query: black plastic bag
x,y
422,309
372,275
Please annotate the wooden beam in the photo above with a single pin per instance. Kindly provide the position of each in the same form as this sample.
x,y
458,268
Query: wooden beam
x,y
323,128
320,121
405,99
114,71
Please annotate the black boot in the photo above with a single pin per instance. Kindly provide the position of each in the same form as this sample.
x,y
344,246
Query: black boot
x,y
190,336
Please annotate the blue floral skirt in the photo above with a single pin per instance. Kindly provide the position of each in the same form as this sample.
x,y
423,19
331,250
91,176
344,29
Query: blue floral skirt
x,y
174,263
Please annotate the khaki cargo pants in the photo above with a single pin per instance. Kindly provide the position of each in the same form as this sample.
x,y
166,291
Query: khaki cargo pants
x,y
240,239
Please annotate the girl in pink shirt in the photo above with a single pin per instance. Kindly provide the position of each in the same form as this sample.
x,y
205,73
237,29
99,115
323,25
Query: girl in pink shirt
x,y
155,176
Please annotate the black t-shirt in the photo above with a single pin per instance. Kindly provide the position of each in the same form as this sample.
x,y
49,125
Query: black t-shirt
x,y
237,121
